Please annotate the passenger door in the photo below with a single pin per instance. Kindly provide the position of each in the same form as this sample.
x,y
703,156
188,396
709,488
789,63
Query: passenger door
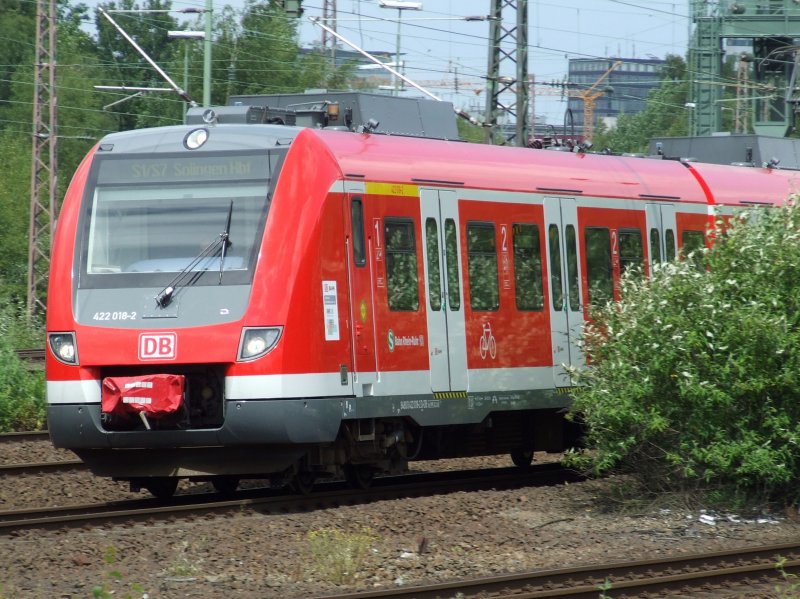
x,y
443,290
661,238
360,279
566,311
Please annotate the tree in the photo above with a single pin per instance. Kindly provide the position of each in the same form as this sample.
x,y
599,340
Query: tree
x,y
469,132
124,65
664,114
18,22
263,55
15,160
81,123
693,377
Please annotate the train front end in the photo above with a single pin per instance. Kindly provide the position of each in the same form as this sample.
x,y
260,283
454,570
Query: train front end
x,y
152,270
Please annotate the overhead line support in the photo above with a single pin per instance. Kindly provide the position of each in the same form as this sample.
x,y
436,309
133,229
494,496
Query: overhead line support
x,y
44,159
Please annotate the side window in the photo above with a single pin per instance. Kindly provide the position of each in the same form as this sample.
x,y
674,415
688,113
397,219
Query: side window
x,y
434,271
598,265
655,245
572,267
451,254
556,284
691,241
669,241
527,267
401,264
357,221
630,250
482,266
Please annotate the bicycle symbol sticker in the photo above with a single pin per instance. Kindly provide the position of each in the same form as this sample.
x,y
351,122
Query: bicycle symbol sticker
x,y
487,343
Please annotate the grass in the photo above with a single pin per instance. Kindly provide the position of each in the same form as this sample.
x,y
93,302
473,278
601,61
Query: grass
x,y
338,556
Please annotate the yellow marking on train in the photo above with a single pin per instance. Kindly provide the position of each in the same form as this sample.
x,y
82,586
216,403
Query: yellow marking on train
x,y
564,390
393,189
450,395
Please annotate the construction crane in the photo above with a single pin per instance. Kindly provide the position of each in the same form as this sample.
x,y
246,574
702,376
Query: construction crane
x,y
589,97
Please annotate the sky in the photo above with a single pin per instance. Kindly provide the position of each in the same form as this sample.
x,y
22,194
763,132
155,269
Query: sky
x,y
438,45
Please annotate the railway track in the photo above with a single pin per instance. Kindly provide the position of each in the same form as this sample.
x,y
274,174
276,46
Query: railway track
x,y
684,576
327,495
33,357
24,436
707,575
41,467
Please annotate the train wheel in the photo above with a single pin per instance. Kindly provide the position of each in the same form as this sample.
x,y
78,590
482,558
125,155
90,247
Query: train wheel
x,y
522,458
226,485
359,476
162,487
303,482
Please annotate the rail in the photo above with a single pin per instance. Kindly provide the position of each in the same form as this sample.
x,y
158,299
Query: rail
x,y
33,357
269,500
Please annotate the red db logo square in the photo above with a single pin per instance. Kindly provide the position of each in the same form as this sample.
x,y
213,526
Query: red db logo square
x,y
158,346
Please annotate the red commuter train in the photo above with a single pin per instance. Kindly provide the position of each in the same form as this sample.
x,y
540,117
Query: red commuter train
x,y
250,300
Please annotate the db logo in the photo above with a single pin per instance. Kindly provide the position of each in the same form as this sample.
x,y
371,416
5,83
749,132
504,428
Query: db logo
x,y
158,346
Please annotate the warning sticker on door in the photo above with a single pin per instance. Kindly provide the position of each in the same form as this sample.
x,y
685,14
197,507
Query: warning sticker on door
x,y
330,306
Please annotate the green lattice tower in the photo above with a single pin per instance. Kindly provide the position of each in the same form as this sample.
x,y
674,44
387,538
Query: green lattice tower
x,y
705,68
771,25
508,45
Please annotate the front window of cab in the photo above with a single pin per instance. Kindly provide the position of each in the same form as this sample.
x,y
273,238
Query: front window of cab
x,y
146,218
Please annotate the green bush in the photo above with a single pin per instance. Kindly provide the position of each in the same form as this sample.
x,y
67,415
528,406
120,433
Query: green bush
x,y
22,397
22,402
694,377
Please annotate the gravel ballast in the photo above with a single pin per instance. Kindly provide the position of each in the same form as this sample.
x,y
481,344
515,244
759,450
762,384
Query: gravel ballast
x,y
405,541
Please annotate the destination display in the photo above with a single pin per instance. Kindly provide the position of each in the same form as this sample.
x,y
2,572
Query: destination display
x,y
182,168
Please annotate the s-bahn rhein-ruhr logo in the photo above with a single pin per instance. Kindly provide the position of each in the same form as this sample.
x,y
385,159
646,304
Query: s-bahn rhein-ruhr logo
x,y
158,346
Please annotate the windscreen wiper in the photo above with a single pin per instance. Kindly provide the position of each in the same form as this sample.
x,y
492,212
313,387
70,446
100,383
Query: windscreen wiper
x,y
225,242
164,297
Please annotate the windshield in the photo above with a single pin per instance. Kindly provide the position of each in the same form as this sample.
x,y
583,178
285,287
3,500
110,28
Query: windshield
x,y
146,219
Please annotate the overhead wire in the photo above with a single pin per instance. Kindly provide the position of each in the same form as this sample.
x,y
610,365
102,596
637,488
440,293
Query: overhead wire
x,y
461,38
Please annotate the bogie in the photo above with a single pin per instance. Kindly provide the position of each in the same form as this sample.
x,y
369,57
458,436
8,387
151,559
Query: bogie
x,y
161,487
226,485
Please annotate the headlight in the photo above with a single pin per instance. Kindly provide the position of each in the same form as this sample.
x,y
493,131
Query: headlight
x,y
64,347
196,138
257,341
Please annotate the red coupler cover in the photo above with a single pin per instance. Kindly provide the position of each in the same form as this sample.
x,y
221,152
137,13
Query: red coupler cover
x,y
155,394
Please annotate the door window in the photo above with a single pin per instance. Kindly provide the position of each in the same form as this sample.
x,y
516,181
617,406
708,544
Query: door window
x,y
357,222
655,245
669,241
572,267
556,283
451,255
434,271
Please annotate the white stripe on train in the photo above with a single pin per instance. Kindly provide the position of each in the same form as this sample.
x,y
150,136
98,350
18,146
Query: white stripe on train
x,y
279,386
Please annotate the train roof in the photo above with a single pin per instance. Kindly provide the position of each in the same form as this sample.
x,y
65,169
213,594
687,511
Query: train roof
x,y
510,168
410,160
737,185
417,160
